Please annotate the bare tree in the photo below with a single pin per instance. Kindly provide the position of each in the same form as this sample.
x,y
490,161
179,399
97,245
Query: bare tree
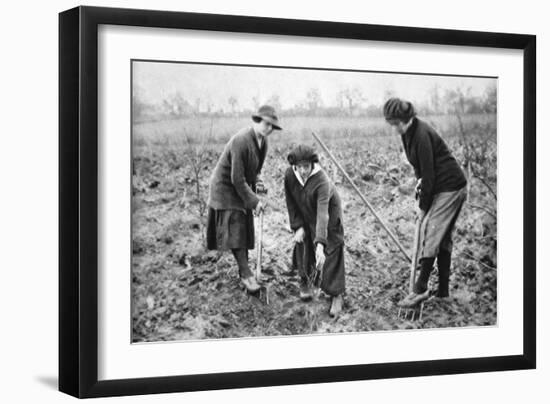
x,y
195,151
197,106
475,149
490,99
351,98
313,100
435,99
274,101
176,104
232,101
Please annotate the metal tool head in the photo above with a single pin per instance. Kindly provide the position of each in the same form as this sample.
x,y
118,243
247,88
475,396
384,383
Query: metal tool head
x,y
261,294
411,313
261,188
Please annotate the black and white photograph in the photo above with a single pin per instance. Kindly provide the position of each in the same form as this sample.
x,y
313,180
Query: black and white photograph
x,y
273,201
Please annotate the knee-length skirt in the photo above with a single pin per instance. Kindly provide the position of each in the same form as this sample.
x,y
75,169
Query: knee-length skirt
x,y
438,224
229,229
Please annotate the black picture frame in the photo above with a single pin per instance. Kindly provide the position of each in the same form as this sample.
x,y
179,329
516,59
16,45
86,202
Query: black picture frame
x,y
78,200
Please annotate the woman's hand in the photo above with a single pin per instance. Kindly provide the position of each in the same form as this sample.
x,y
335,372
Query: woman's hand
x,y
299,235
260,207
418,189
260,187
320,256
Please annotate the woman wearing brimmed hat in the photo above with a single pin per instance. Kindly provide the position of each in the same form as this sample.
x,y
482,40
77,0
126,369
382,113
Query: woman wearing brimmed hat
x,y
232,196
441,193
315,214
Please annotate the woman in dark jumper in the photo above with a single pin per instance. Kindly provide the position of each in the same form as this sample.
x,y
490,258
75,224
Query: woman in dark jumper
x,y
441,190
315,214
232,196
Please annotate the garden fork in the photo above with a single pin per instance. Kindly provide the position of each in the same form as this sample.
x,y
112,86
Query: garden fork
x,y
412,312
263,293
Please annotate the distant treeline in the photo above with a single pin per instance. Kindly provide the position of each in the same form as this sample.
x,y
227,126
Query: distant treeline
x,y
350,104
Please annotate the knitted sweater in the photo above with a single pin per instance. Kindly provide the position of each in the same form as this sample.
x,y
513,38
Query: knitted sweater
x,y
432,161
316,207
233,182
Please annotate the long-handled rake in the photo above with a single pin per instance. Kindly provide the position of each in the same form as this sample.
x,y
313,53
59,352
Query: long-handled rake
x,y
360,194
412,260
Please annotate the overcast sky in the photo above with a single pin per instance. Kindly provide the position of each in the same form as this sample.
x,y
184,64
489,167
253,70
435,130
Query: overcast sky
x,y
154,81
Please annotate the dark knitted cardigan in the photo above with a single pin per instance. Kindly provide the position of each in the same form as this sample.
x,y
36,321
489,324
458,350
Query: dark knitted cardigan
x,y
233,182
316,207
432,161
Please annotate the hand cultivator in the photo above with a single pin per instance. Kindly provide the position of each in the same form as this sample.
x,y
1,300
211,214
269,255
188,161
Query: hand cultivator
x,y
313,279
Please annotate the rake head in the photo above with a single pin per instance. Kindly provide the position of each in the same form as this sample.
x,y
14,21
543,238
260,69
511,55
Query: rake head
x,y
411,313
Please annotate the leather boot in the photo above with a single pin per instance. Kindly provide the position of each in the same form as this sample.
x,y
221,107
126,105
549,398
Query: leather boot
x,y
444,269
250,284
426,267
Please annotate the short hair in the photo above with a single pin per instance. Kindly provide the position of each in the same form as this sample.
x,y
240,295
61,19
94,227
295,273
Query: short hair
x,y
398,109
302,153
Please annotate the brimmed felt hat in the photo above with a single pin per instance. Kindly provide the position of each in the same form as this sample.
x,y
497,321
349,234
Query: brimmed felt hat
x,y
302,153
267,112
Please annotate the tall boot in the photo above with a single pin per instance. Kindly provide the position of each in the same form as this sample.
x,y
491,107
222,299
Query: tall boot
x,y
426,267
444,269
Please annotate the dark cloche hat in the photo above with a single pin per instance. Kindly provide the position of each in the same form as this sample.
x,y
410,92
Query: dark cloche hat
x,y
267,112
396,108
302,153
